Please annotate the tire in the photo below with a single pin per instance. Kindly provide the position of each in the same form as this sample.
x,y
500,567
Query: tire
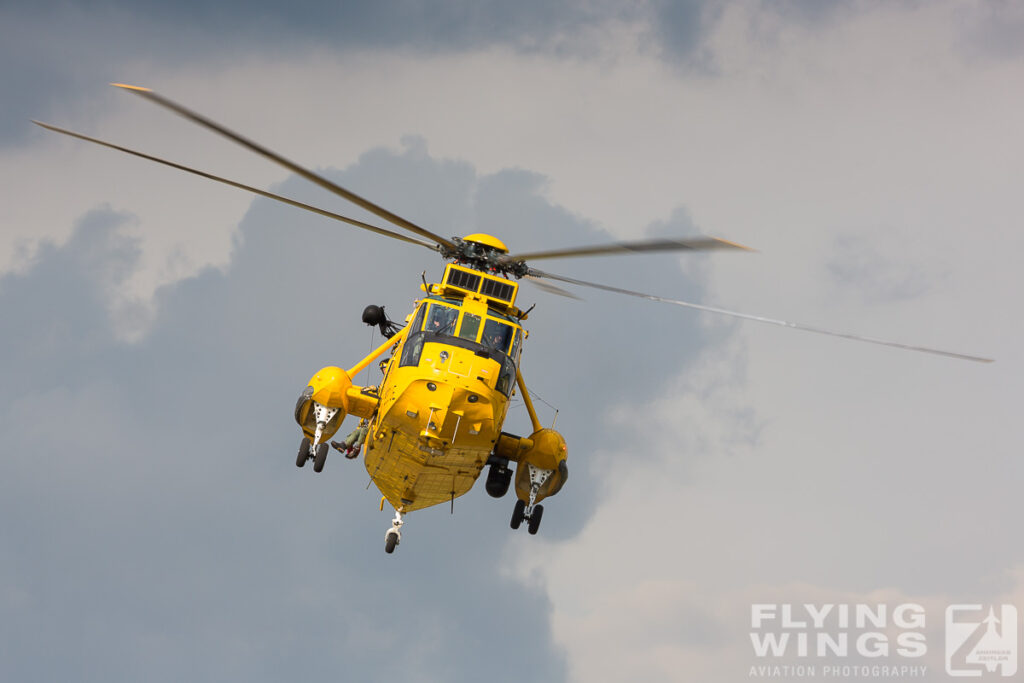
x,y
518,513
303,455
498,480
538,512
390,541
321,457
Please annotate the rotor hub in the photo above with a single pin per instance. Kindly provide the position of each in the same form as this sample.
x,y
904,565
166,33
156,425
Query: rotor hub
x,y
483,252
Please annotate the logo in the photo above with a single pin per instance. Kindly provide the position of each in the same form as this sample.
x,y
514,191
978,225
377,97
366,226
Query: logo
x,y
980,641
838,640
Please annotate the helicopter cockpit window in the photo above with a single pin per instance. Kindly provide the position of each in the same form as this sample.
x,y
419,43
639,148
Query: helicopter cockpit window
x,y
515,345
412,350
470,326
507,377
441,319
417,322
413,345
497,335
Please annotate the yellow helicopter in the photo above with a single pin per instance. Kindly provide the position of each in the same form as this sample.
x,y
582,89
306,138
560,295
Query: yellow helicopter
x,y
435,420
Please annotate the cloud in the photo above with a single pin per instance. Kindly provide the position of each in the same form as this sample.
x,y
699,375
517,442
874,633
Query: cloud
x,y
157,524
994,30
681,27
877,276
56,54
446,25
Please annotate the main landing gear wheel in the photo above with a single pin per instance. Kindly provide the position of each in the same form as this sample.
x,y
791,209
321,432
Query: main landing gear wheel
x,y
518,514
538,512
303,455
321,457
522,512
390,541
529,510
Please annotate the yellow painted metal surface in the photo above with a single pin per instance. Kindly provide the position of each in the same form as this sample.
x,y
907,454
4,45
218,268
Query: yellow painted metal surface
x,y
486,240
328,387
549,452
362,402
512,447
436,425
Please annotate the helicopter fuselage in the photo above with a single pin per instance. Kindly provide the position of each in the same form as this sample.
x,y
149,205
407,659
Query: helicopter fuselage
x,y
436,418
443,401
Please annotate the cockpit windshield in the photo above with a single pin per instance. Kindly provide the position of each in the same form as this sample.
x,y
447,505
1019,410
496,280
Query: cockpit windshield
x,y
497,335
470,326
441,319
485,336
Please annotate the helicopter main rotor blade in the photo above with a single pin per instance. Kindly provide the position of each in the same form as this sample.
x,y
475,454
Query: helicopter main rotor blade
x,y
550,288
757,318
366,204
232,183
656,245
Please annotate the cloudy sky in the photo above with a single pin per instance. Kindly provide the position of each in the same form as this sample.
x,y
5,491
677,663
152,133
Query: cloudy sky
x,y
157,329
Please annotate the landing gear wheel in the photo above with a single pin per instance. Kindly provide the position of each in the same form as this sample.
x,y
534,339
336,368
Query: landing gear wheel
x,y
498,480
518,513
321,457
538,512
303,455
390,542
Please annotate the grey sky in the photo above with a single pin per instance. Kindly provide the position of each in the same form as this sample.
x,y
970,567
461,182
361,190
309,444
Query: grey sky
x,y
158,329
56,52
